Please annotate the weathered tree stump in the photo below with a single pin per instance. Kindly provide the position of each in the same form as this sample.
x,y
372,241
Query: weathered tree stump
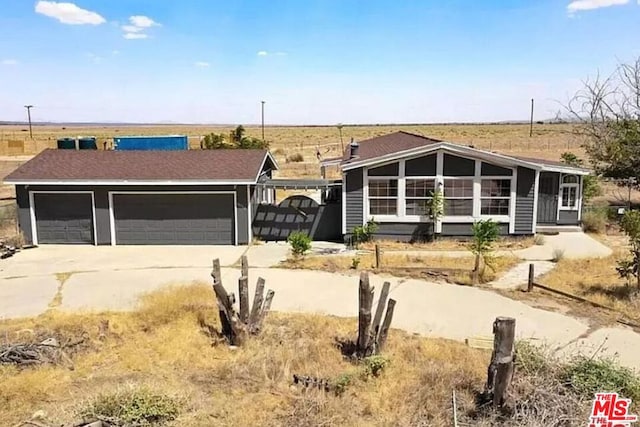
x,y
501,368
237,325
371,334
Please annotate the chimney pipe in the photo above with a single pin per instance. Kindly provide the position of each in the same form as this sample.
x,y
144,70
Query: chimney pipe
x,y
353,149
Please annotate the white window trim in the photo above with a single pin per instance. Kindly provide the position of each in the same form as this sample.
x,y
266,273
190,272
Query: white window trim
x,y
572,185
439,182
366,205
422,218
32,213
509,197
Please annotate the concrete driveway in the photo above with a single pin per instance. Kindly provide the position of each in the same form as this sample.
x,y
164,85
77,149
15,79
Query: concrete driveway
x,y
113,278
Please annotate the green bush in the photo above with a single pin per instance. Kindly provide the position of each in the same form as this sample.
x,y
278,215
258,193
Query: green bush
x,y
374,365
364,233
300,243
595,220
588,376
136,407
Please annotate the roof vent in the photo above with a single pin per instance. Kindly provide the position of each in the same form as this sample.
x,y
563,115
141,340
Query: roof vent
x,y
353,149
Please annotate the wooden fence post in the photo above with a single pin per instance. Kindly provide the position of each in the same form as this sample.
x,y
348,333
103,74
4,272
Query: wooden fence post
x,y
257,301
500,370
531,275
378,260
386,324
382,302
243,292
364,313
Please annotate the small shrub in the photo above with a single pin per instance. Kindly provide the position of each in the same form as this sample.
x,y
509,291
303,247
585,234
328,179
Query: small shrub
x,y
364,233
279,152
355,262
539,240
588,376
341,383
531,359
374,365
595,221
295,158
558,255
137,407
300,243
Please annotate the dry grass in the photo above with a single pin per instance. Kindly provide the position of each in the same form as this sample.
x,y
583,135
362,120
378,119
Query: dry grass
x,y
393,263
160,347
447,244
596,279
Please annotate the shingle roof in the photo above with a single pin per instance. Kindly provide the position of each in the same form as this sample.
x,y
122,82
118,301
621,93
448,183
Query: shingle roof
x,y
398,142
100,165
389,144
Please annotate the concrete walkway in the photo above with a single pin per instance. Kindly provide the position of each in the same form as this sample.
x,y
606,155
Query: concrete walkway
x,y
114,280
571,245
519,275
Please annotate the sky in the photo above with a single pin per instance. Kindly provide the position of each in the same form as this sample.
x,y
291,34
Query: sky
x,y
311,61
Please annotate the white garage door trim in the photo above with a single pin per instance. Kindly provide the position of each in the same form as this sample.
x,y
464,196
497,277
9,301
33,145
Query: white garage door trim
x,y
32,212
112,219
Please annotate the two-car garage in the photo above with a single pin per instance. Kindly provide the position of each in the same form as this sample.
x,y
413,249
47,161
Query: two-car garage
x,y
173,219
137,218
110,197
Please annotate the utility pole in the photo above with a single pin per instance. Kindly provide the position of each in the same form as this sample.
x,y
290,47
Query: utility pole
x,y
531,121
341,143
262,102
29,107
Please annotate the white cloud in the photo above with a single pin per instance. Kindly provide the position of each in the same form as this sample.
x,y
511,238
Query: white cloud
x,y
132,29
68,13
96,59
9,62
263,53
136,27
202,64
142,21
578,5
135,36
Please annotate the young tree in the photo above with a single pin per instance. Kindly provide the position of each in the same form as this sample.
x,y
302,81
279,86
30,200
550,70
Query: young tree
x,y
607,113
630,224
590,183
485,233
213,141
236,139
435,209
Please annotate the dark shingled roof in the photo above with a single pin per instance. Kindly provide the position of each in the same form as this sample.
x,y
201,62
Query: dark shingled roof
x,y
97,165
388,144
401,141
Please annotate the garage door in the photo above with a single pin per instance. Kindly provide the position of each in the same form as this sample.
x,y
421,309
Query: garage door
x,y
63,218
174,219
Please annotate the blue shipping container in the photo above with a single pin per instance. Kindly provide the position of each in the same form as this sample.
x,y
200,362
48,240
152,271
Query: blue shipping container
x,y
169,142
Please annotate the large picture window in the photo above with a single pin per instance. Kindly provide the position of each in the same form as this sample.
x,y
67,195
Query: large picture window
x,y
458,197
383,196
418,192
495,195
569,192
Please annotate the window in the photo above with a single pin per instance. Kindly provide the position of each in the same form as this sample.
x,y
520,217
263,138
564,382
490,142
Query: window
x,y
383,196
494,196
569,192
417,194
458,197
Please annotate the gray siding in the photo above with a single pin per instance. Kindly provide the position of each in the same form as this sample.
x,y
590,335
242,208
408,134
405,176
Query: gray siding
x,y
354,198
524,201
416,232
464,229
24,215
422,166
458,166
404,231
103,235
392,169
568,218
